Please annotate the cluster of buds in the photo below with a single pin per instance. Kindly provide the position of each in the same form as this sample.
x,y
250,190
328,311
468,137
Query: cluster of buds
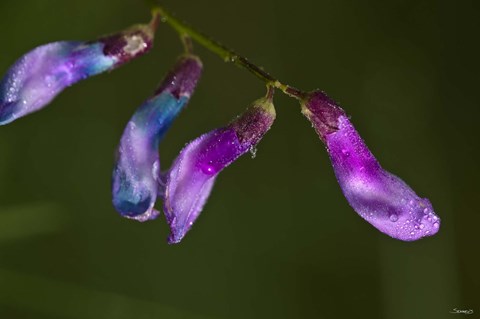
x,y
381,198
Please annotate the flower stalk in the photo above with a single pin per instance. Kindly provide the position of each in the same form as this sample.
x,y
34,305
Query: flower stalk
x,y
225,53
33,81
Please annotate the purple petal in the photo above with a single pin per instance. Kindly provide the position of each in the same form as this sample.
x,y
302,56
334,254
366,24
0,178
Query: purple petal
x,y
192,175
135,181
381,198
40,75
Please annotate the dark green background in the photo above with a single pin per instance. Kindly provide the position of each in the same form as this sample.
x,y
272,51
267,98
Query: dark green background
x,y
276,239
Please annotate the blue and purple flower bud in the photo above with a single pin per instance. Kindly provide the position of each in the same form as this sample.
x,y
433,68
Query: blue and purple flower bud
x,y
40,75
381,198
192,175
135,182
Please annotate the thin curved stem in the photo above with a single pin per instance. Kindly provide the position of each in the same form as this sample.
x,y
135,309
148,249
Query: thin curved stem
x,y
187,43
227,54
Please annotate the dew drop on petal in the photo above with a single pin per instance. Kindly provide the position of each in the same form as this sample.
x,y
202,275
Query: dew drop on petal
x,y
156,170
208,169
393,217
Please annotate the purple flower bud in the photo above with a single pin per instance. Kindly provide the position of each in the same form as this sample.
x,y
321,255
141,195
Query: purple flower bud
x,y
192,175
40,75
135,182
381,198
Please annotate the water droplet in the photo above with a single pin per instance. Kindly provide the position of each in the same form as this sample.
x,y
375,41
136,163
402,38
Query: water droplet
x,y
393,217
48,79
425,211
412,233
436,225
422,226
156,170
231,58
208,169
345,152
253,151
435,218
429,219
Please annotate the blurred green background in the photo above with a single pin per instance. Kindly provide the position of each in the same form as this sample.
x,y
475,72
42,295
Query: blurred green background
x,y
276,239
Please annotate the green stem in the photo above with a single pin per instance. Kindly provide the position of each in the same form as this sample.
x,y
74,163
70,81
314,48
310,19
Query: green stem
x,y
228,55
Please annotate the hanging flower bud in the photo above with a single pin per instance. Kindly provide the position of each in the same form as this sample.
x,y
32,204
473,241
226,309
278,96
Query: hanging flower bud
x,y
192,175
381,198
136,174
40,75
